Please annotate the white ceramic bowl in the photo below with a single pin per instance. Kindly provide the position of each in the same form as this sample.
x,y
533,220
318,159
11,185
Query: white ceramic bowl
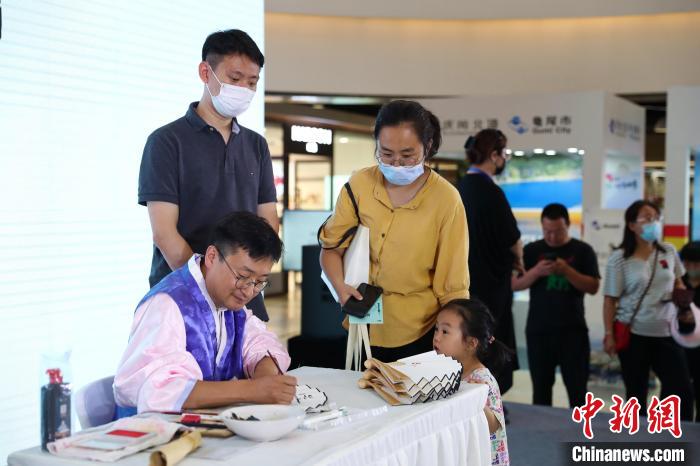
x,y
275,422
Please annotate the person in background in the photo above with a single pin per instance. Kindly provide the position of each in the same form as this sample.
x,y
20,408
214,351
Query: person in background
x,y
465,331
193,343
690,255
495,246
418,232
641,276
560,270
205,165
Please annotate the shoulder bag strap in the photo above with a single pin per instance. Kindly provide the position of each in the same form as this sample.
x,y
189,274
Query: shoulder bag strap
x,y
646,290
351,231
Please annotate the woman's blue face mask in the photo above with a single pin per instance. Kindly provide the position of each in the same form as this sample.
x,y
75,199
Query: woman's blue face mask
x,y
401,176
651,232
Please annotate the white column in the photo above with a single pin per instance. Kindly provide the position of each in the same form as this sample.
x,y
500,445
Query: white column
x,y
683,132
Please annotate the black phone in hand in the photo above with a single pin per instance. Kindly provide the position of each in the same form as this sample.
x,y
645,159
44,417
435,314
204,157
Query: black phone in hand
x,y
370,295
549,256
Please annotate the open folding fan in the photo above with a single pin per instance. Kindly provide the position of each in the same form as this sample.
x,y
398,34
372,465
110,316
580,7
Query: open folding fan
x,y
420,378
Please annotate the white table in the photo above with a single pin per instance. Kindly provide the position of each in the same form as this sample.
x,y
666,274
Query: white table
x,y
448,432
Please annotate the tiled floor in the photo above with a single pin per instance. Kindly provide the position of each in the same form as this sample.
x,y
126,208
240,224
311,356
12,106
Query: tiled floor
x,y
285,321
522,391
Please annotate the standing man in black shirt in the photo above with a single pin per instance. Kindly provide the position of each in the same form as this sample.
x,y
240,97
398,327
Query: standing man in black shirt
x,y
560,270
495,249
203,166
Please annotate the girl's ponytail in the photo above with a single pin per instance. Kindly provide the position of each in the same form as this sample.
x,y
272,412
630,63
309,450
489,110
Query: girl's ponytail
x,y
477,322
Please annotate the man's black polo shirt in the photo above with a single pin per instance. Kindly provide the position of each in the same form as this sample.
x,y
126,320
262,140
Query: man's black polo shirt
x,y
187,163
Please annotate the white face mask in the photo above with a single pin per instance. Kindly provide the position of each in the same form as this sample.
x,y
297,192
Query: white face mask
x,y
232,100
401,176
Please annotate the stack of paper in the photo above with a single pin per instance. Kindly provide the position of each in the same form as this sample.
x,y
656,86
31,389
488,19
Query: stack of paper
x,y
116,440
420,378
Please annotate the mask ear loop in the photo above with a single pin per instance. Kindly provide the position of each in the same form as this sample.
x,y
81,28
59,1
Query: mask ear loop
x,y
217,80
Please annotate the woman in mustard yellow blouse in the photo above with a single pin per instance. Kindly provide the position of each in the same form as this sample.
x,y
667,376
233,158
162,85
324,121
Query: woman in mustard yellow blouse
x,y
418,232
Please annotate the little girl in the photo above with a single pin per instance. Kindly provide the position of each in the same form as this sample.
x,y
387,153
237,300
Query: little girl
x,y
464,331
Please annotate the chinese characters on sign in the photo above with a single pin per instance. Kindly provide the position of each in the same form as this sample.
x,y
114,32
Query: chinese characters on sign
x,y
661,415
467,126
551,124
539,124
624,129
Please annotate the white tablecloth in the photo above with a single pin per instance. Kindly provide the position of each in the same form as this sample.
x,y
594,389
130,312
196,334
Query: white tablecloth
x,y
448,432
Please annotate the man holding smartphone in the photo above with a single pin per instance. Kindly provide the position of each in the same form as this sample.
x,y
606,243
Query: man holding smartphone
x,y
559,271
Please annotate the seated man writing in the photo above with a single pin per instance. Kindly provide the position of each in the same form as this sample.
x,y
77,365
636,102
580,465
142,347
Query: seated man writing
x,y
193,342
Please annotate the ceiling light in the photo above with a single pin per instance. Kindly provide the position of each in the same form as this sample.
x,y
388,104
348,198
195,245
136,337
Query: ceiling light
x,y
572,150
538,151
551,152
519,153
581,152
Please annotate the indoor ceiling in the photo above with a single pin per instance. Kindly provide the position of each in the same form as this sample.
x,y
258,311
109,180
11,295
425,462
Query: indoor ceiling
x,y
480,10
465,10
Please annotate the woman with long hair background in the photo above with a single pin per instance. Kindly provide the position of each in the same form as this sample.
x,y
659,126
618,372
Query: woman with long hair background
x,y
639,281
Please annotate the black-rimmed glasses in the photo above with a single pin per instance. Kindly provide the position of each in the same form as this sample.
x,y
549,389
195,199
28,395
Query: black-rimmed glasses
x,y
241,283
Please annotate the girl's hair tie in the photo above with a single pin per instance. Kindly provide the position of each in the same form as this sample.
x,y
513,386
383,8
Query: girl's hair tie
x,y
491,340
